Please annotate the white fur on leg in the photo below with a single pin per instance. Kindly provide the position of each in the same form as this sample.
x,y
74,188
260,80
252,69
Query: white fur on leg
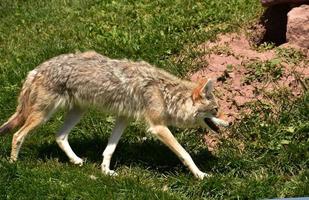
x,y
105,166
65,146
120,125
71,120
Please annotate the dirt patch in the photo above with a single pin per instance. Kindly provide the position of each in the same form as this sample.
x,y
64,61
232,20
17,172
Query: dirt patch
x,y
243,75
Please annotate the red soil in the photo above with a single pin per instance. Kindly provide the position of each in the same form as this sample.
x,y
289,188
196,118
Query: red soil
x,y
225,62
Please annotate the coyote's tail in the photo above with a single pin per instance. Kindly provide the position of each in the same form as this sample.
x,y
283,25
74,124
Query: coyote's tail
x,y
22,110
19,116
13,122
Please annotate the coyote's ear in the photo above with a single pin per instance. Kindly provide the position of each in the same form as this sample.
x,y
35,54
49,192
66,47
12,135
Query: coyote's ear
x,y
204,86
208,87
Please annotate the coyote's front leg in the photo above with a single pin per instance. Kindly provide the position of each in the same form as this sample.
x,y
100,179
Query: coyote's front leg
x,y
165,135
120,125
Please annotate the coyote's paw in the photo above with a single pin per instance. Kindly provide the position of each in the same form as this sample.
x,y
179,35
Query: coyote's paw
x,y
109,172
12,160
202,175
78,161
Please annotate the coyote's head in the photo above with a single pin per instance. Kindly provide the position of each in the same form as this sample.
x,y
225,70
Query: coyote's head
x,y
206,106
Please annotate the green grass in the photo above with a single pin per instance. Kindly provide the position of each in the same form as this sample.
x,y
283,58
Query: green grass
x,y
266,157
264,71
290,55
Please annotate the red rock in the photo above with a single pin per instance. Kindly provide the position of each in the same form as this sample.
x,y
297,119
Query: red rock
x,y
298,26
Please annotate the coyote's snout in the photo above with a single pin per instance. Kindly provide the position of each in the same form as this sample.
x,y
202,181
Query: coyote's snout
x,y
129,90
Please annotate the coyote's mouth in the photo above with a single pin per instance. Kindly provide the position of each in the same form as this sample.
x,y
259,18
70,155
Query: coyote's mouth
x,y
214,123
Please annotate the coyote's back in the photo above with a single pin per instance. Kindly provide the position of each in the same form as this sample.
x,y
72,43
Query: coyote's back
x,y
118,86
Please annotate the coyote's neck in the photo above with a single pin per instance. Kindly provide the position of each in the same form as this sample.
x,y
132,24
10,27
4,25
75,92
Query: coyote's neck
x,y
179,103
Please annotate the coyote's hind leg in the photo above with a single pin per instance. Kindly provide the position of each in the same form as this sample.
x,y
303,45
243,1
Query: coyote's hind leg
x,y
33,120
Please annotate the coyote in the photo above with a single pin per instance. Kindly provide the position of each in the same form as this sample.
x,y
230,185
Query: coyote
x,y
127,89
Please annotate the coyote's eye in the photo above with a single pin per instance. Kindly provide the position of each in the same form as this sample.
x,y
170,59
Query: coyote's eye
x,y
210,96
216,109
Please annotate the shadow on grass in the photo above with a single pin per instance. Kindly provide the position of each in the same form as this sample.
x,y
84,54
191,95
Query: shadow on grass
x,y
148,154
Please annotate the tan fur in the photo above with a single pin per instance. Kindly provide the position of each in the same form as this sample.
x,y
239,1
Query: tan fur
x,y
129,90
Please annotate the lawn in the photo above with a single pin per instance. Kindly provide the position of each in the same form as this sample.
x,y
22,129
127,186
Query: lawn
x,y
267,155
